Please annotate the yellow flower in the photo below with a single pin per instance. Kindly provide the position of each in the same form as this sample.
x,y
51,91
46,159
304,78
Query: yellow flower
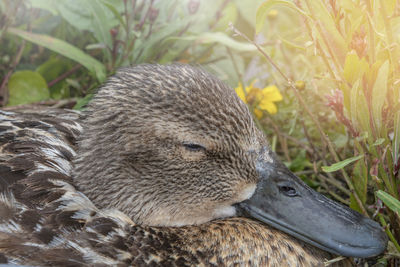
x,y
242,93
271,94
260,99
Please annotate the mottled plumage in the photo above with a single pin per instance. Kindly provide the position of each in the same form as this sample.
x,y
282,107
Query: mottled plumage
x,y
158,147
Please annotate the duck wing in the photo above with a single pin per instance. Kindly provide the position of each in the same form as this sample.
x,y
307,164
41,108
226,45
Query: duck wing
x,y
44,220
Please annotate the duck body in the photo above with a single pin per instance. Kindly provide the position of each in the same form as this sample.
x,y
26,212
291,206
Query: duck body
x,y
46,221
164,168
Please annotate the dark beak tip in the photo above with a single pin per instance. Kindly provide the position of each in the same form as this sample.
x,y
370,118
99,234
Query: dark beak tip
x,y
371,250
378,238
381,242
372,242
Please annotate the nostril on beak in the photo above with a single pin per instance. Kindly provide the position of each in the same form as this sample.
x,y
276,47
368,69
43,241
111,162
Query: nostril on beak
x,y
288,191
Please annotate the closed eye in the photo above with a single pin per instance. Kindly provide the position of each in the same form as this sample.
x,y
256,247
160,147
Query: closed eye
x,y
194,147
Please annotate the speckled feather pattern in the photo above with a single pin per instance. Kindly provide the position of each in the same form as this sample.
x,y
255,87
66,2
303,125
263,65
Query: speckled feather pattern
x,y
158,109
51,214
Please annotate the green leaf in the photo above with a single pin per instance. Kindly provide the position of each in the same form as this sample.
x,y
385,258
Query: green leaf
x,y
26,87
72,12
291,44
53,67
146,50
378,142
230,14
79,14
262,11
116,13
354,67
81,103
218,37
327,30
100,24
65,49
379,94
359,111
49,5
247,10
50,70
341,164
390,6
396,138
359,180
228,75
300,162
389,201
362,137
354,204
341,140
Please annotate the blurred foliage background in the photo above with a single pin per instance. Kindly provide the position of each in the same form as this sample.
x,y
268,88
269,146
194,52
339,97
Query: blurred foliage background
x,y
329,103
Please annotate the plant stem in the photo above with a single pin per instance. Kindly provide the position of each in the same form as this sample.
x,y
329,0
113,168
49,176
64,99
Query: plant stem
x,y
3,92
323,36
336,184
64,75
8,17
218,15
294,140
69,102
390,235
313,118
238,73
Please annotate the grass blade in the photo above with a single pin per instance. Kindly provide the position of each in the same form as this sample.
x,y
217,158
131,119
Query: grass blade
x,y
218,37
389,201
379,94
65,49
340,165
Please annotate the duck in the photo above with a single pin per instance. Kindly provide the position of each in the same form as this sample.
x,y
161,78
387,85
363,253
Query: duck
x,y
164,167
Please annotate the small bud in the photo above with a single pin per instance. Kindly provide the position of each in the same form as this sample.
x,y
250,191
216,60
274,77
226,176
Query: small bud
x,y
114,32
300,85
6,59
193,6
272,14
153,14
359,43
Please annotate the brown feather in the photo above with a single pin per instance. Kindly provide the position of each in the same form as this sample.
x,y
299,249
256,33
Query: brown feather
x,y
46,221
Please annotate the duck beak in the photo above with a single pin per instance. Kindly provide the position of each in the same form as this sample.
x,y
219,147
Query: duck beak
x,y
285,202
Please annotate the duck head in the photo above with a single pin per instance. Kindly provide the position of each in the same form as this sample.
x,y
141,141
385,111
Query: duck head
x,y
172,145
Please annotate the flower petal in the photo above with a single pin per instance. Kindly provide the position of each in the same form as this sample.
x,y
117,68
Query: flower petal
x,y
258,113
271,93
268,106
240,92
